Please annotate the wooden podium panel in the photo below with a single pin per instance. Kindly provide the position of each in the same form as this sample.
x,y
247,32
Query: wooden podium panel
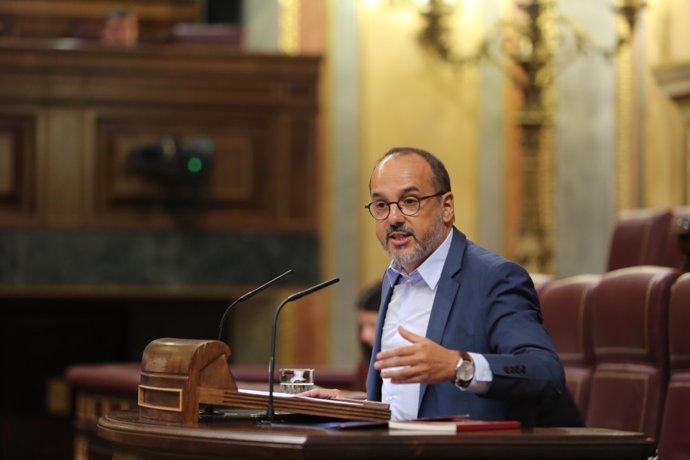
x,y
132,439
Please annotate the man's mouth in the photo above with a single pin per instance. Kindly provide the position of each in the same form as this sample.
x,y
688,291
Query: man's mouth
x,y
399,238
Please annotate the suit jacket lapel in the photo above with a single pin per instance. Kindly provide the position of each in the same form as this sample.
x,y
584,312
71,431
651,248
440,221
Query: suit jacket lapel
x,y
446,292
373,377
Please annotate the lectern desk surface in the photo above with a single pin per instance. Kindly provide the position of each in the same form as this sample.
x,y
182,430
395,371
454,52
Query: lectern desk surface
x,y
133,439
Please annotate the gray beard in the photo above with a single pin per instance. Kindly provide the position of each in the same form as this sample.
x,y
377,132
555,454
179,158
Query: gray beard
x,y
423,249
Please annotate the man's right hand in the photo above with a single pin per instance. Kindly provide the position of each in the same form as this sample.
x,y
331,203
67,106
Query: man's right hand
x,y
323,393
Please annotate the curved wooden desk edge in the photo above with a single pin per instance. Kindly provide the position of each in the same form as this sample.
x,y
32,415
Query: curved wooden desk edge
x,y
132,439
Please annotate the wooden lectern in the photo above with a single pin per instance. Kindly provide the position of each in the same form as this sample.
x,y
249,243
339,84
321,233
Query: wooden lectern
x,y
173,371
180,375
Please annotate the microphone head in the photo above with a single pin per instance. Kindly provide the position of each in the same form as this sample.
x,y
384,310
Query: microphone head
x,y
271,362
299,295
263,286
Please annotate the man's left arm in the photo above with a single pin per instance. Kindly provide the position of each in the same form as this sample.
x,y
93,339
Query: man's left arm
x,y
523,361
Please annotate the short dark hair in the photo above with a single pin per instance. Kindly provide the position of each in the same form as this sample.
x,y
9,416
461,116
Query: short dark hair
x,y
370,298
117,12
441,179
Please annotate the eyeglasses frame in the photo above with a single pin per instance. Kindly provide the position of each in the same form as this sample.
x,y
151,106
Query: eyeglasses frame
x,y
397,203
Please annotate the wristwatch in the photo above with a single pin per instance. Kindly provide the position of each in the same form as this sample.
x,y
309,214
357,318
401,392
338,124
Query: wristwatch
x,y
464,370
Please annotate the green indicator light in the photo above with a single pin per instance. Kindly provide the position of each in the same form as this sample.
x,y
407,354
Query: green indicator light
x,y
194,165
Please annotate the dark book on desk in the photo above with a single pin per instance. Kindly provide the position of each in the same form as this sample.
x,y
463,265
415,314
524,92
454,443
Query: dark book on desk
x,y
455,426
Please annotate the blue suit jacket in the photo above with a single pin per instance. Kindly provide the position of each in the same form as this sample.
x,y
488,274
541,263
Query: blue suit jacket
x,y
485,304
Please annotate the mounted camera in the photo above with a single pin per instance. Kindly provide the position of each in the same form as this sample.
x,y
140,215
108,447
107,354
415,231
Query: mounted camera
x,y
182,169
175,162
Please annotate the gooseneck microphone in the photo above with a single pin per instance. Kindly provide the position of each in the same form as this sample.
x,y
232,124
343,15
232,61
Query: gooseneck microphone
x,y
271,363
244,297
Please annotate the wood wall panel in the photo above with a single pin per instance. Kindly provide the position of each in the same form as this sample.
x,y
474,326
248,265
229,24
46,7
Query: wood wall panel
x,y
98,105
303,169
17,167
63,168
83,18
243,184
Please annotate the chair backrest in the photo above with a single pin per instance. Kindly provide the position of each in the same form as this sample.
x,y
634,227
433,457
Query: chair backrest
x,y
541,280
639,238
674,441
629,330
566,306
674,254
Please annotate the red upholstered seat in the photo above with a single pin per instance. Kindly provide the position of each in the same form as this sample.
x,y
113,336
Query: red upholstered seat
x,y
120,378
207,34
674,441
123,378
640,238
629,327
541,280
566,305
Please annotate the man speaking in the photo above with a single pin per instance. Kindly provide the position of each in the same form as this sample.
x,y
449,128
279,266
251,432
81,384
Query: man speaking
x,y
459,328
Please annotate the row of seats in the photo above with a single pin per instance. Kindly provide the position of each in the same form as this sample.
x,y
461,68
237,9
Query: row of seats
x,y
620,335
622,340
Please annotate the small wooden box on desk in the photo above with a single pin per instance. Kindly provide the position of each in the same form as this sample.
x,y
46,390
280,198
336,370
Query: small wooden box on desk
x,y
179,376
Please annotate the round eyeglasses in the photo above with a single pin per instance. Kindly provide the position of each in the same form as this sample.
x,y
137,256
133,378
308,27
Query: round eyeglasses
x,y
408,205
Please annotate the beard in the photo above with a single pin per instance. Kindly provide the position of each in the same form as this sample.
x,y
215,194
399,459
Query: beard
x,y
424,245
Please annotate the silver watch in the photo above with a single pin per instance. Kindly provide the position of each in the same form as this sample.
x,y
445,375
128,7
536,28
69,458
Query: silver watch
x,y
464,370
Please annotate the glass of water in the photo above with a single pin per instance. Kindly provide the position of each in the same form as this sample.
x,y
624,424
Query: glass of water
x,y
295,381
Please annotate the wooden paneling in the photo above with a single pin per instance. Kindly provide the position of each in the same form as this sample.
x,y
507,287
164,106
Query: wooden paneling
x,y
83,18
63,168
241,166
17,166
79,112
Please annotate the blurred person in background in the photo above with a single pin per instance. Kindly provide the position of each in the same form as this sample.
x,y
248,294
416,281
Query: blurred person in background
x,y
367,314
120,27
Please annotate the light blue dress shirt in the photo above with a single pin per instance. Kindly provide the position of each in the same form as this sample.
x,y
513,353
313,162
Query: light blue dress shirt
x,y
410,307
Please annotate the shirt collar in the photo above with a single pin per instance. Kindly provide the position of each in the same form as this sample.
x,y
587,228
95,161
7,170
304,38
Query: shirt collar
x,y
429,271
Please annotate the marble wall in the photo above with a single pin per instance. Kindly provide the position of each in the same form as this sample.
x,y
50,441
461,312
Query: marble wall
x,y
83,258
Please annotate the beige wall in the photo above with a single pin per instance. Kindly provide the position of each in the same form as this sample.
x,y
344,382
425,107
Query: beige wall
x,y
381,89
666,38
409,99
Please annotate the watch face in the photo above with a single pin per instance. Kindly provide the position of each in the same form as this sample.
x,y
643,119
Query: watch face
x,y
466,371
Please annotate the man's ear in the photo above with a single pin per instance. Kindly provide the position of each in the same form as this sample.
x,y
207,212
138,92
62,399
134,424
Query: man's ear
x,y
448,203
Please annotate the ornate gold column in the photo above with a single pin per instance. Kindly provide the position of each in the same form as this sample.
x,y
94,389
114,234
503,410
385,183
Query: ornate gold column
x,y
534,58
289,26
525,48
625,162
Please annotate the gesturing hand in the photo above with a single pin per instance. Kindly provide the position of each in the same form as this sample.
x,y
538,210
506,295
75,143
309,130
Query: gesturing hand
x,y
423,361
323,393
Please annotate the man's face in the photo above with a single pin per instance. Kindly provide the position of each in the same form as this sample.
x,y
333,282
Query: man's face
x,y
410,239
120,30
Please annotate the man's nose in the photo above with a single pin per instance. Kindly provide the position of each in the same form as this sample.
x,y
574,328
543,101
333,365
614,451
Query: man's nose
x,y
395,214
